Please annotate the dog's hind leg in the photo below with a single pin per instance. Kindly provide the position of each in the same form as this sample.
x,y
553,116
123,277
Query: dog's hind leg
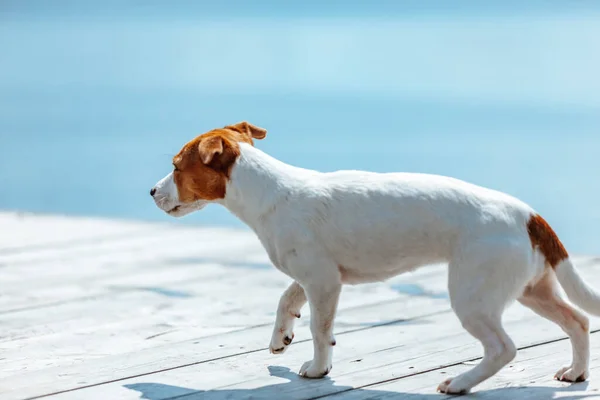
x,y
288,310
544,298
483,280
499,350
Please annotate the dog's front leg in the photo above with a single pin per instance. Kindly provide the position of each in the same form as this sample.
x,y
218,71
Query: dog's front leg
x,y
323,300
288,310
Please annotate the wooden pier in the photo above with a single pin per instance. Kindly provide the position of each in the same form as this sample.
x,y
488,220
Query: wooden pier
x,y
109,310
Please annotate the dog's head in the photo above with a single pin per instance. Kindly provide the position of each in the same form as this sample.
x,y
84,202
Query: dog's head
x,y
202,169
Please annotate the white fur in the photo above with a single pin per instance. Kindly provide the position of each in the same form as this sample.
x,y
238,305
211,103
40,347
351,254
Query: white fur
x,y
349,227
576,289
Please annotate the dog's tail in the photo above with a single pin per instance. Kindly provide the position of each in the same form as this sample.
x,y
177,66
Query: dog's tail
x,y
545,240
576,289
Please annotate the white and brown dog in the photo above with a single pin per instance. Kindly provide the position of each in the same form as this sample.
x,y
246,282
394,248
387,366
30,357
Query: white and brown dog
x,y
348,227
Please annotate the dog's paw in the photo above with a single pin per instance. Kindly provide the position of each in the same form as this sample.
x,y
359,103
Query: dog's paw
x,y
280,340
568,374
451,386
311,370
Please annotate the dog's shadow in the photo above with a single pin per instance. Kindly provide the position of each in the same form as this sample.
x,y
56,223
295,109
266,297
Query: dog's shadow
x,y
300,388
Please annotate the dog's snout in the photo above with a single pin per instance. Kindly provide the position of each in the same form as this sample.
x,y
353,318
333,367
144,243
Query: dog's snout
x,y
152,191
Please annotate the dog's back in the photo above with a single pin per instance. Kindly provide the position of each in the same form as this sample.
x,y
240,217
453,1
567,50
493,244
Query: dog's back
x,y
389,223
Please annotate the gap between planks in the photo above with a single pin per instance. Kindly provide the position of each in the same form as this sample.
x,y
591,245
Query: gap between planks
x,y
256,350
194,394
439,368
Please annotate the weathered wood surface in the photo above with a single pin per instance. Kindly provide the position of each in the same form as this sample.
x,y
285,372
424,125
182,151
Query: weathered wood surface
x,y
97,309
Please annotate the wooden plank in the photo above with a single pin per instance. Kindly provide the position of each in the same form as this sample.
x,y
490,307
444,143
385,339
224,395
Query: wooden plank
x,y
171,354
183,295
24,232
98,327
98,286
176,245
361,358
49,281
145,245
115,306
529,376
81,331
200,283
371,370
85,339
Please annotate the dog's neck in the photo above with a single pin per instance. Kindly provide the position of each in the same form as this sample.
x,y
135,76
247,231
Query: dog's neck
x,y
258,183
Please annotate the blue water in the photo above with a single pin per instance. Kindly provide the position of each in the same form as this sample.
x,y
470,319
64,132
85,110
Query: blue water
x,y
95,97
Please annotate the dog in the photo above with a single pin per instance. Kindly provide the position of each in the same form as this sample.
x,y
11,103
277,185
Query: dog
x,y
324,230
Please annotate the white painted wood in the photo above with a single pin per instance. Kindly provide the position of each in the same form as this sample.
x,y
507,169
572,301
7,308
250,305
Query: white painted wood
x,y
123,322
135,355
160,249
24,232
77,274
212,297
397,350
85,339
87,301
529,376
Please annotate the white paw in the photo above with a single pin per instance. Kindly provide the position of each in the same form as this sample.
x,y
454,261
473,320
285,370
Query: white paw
x,y
451,386
568,374
311,370
280,340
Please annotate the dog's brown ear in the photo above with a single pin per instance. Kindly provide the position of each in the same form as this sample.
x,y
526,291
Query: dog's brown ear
x,y
254,131
209,148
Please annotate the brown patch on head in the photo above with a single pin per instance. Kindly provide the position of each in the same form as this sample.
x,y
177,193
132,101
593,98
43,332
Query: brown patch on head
x,y
203,165
544,238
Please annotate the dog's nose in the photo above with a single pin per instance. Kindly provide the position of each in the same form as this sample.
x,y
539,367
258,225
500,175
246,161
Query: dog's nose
x,y
152,191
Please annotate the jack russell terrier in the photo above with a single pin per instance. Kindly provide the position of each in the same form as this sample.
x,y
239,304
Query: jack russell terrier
x,y
328,229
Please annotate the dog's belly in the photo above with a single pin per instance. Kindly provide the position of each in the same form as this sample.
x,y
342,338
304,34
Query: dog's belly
x,y
369,257
366,272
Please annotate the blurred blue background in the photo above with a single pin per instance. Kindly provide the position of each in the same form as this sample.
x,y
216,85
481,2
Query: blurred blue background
x,y
96,96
